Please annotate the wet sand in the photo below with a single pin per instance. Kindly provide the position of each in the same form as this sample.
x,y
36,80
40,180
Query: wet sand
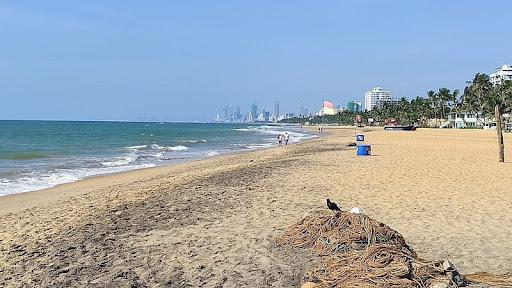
x,y
210,223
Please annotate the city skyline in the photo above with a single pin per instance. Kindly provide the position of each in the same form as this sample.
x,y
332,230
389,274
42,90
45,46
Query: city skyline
x,y
255,113
152,61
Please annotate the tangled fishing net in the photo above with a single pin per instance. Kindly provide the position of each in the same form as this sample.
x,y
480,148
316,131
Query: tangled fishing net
x,y
356,251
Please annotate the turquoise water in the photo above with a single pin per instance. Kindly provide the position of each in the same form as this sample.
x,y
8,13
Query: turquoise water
x,y
40,154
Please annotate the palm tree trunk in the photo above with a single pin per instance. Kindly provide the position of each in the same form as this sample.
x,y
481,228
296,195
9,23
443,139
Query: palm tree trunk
x,y
501,146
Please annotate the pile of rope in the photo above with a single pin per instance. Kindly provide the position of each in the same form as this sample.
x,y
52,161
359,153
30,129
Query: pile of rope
x,y
356,251
493,280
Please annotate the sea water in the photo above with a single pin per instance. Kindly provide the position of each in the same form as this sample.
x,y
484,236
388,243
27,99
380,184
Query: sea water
x,y
40,154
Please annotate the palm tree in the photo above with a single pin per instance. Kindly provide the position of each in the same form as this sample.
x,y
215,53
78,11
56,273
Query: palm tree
x,y
433,98
491,101
501,99
460,104
416,109
453,100
423,109
443,97
478,93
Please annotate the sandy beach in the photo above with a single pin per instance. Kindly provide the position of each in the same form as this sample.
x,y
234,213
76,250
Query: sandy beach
x,y
211,223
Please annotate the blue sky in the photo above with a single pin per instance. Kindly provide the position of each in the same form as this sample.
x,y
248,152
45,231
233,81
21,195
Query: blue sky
x,y
185,60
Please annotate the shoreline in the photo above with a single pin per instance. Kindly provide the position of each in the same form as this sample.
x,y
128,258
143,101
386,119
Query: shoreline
x,y
311,136
212,222
13,202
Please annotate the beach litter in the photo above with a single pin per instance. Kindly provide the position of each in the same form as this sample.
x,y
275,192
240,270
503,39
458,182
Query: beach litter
x,y
356,210
354,250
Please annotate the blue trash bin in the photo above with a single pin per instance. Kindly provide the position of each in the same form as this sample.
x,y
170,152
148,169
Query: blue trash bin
x,y
360,137
364,150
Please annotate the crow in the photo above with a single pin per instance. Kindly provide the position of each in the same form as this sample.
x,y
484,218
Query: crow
x,y
332,205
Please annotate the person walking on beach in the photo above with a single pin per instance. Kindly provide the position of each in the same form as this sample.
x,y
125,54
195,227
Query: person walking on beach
x,y
286,138
280,139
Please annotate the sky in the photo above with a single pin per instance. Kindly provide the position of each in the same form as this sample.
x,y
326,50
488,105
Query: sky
x,y
186,60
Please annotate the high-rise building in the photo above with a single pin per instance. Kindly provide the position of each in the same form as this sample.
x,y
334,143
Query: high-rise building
x,y
266,115
276,109
254,110
376,98
354,106
230,112
225,113
501,74
238,115
327,109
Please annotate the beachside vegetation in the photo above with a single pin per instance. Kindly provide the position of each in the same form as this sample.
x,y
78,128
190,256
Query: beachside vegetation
x,y
490,100
480,97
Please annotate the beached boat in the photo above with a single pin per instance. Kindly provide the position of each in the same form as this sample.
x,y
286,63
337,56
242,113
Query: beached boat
x,y
400,128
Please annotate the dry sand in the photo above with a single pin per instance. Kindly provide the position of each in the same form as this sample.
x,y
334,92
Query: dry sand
x,y
210,223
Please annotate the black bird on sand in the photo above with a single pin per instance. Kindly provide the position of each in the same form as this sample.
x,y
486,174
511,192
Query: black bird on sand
x,y
332,205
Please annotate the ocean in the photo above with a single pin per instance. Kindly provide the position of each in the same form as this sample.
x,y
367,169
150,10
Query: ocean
x,y
40,154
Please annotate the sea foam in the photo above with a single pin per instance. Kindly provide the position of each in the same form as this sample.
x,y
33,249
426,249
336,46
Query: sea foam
x,y
42,180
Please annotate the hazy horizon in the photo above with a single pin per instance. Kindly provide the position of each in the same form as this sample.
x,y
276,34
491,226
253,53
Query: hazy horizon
x,y
185,61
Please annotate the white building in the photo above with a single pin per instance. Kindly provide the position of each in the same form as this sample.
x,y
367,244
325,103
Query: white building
x,y
327,109
465,120
376,97
500,74
276,110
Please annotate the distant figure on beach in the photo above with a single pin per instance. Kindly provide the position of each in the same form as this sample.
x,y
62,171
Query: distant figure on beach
x,y
280,139
286,138
332,205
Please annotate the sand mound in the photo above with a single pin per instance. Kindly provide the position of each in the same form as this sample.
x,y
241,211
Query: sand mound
x,y
356,251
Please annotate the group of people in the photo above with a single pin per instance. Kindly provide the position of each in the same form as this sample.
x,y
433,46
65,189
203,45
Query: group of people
x,y
283,138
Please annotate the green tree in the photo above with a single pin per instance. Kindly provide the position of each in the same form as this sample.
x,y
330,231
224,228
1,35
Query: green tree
x,y
477,94
501,99
443,96
490,101
434,105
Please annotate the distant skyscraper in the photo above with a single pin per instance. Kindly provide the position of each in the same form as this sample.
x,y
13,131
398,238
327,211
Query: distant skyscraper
x,y
376,98
354,106
301,110
266,114
276,109
225,113
238,115
254,110
327,109
230,113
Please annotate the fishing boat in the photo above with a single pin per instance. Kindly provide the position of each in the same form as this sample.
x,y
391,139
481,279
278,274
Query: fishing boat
x,y
400,127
